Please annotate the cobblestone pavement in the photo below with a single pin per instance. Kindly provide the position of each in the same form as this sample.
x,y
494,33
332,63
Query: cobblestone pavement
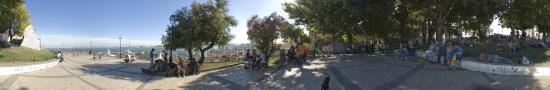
x,y
360,72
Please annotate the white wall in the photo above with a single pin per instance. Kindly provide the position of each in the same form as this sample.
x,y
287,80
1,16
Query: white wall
x,y
27,68
31,38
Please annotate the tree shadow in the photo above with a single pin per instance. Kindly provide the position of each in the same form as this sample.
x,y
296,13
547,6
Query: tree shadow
x,y
235,77
436,76
121,71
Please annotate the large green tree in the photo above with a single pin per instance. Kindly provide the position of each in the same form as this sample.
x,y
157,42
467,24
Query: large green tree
x,y
14,18
543,17
293,34
200,28
519,15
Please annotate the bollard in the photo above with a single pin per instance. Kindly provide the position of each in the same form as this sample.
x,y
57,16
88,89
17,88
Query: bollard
x,y
34,58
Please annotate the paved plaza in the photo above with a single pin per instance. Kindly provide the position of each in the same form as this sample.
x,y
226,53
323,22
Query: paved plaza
x,y
360,72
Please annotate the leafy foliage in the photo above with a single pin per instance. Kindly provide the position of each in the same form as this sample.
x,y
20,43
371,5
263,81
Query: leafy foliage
x,y
394,19
14,18
263,32
200,27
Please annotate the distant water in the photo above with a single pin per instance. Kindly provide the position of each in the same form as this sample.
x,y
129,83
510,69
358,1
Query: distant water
x,y
114,50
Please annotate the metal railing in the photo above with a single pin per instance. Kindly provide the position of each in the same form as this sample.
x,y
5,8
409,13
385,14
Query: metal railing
x,y
13,59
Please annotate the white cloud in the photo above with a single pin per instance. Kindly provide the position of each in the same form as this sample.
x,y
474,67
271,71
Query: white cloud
x,y
67,41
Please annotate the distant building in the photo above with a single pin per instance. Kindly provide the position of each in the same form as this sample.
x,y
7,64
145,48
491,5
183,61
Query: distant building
x,y
30,38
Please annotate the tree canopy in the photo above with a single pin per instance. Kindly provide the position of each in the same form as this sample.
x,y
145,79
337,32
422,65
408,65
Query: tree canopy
x,y
262,32
397,19
14,18
200,27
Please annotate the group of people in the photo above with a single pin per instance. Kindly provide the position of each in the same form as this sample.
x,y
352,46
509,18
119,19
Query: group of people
x,y
257,61
446,54
407,50
130,58
296,53
254,60
166,64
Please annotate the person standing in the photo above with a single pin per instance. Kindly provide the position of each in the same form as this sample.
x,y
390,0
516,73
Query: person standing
x,y
152,55
301,54
291,53
432,51
449,53
247,59
263,60
282,58
441,53
164,60
403,51
459,52
254,59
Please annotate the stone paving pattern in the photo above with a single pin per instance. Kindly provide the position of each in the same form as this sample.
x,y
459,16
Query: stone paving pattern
x,y
352,72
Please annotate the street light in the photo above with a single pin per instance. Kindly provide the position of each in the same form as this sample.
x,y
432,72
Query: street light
x,y
40,43
120,46
91,46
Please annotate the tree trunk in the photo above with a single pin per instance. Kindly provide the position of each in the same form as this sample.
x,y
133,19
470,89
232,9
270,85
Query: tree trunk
x,y
190,53
512,33
439,32
333,42
544,35
201,60
350,38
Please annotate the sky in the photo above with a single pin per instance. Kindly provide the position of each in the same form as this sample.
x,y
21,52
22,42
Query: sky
x,y
99,23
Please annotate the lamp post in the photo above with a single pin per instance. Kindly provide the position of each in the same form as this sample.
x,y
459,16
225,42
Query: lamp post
x,y
120,46
40,43
91,46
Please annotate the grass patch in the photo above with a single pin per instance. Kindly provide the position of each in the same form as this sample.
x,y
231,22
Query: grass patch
x,y
22,54
214,65
535,55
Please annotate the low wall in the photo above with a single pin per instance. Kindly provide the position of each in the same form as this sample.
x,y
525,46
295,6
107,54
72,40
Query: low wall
x,y
27,68
506,69
501,69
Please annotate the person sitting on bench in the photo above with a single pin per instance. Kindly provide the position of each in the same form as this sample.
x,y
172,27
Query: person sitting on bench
x,y
155,67
175,67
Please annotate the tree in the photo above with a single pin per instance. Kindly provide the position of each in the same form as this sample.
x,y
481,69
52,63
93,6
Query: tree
x,y
293,34
519,15
543,17
14,18
263,32
320,16
201,27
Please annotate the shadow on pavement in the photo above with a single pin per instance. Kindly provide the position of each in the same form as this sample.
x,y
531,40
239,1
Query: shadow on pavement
x,y
121,71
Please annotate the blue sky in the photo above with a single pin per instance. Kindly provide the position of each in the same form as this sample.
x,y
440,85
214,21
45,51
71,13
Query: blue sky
x,y
76,23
